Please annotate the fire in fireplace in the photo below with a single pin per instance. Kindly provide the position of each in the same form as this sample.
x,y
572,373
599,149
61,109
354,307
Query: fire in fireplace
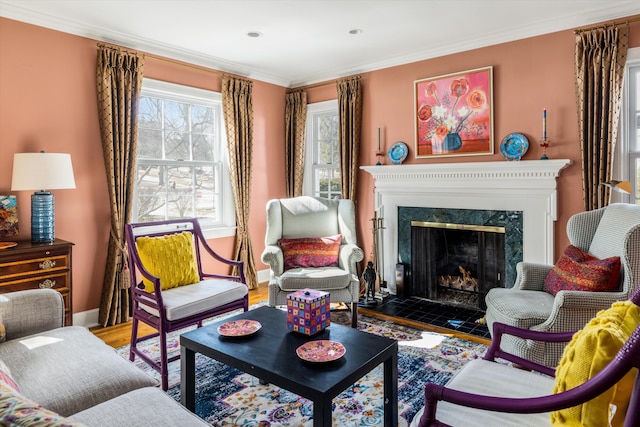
x,y
456,263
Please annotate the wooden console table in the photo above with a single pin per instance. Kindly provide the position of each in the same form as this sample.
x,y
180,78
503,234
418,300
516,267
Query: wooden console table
x,y
38,265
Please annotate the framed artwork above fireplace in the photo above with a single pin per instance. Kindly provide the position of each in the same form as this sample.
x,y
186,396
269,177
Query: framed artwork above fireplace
x,y
454,114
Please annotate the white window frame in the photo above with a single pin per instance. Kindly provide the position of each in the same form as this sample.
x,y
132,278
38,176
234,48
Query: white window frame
x,y
311,145
624,157
160,89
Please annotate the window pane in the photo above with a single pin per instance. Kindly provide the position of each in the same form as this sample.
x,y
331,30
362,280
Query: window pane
x,y
327,139
148,144
151,193
150,113
203,147
207,195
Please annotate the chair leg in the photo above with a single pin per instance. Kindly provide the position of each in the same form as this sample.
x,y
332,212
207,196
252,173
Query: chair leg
x,y
134,338
164,363
354,314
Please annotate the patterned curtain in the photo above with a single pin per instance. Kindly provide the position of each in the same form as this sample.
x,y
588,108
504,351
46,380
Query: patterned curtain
x,y
238,119
295,117
350,122
119,79
600,59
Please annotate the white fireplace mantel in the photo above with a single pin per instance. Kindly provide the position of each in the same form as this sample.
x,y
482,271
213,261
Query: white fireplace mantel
x,y
528,186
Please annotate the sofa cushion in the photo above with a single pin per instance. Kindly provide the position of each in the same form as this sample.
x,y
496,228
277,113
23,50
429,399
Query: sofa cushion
x,y
170,257
148,406
310,251
69,369
579,271
590,350
18,411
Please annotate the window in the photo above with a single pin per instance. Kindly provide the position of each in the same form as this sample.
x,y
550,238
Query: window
x,y
322,163
630,147
181,160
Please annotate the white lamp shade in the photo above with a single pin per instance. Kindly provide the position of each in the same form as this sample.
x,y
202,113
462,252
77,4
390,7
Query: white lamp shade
x,y
40,171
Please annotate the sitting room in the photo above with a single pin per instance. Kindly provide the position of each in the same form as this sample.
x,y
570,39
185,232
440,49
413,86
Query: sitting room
x,y
482,158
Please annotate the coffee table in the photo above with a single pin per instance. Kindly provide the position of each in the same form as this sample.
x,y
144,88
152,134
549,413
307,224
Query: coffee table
x,y
270,355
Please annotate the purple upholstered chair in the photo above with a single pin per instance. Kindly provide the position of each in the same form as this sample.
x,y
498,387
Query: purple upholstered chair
x,y
485,393
204,295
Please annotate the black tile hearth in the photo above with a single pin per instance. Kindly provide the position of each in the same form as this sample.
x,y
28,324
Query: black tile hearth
x,y
445,316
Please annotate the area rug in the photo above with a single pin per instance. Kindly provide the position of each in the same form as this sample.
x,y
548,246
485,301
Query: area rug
x,y
226,396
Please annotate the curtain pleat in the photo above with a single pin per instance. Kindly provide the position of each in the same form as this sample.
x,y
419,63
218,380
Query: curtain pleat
x,y
295,121
350,122
118,82
600,57
237,108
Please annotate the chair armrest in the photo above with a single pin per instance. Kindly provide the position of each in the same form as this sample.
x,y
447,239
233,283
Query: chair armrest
x,y
31,311
530,276
625,360
573,309
349,255
495,351
274,258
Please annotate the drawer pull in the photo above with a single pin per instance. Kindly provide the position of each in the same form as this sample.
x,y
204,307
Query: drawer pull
x,y
47,284
46,264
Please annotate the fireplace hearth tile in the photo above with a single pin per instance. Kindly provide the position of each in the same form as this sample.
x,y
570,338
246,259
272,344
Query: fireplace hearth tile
x,y
432,313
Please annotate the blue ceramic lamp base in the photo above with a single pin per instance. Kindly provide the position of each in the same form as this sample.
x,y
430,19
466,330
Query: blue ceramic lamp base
x,y
42,218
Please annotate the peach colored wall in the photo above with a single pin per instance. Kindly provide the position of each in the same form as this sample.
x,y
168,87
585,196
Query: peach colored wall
x,y
48,101
528,75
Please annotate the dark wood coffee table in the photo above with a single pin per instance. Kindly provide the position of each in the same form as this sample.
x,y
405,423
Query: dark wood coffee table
x,y
270,355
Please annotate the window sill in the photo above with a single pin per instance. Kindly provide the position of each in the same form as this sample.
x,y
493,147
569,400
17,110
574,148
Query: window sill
x,y
218,232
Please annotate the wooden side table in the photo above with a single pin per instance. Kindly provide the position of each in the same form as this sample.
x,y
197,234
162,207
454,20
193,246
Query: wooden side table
x,y
38,265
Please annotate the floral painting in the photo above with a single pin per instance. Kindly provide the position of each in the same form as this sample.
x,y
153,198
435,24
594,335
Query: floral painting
x,y
8,216
454,114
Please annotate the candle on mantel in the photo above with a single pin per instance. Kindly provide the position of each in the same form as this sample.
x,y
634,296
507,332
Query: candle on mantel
x,y
378,139
544,124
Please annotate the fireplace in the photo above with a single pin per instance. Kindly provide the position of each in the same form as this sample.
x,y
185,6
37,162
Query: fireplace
x,y
456,264
518,192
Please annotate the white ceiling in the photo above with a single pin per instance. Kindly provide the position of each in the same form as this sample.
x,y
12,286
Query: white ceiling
x,y
308,41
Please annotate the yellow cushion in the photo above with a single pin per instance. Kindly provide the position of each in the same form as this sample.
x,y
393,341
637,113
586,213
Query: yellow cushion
x,y
170,257
589,351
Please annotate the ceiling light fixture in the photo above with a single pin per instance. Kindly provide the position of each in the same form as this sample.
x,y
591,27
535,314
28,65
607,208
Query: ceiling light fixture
x,y
355,31
254,34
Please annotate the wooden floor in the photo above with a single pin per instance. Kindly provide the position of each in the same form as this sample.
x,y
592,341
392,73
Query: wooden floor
x,y
120,335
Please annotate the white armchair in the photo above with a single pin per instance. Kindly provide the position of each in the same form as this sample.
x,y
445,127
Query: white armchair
x,y
304,217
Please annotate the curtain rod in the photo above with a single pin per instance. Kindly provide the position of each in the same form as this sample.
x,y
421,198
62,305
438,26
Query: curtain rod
x,y
174,61
612,24
329,82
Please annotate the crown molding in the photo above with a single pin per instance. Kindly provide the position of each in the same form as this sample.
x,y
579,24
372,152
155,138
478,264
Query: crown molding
x,y
605,13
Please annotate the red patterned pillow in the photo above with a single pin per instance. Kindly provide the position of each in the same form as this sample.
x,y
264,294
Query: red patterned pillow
x,y
577,270
311,251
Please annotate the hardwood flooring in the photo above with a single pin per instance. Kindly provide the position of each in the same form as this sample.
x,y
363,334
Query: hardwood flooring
x,y
120,335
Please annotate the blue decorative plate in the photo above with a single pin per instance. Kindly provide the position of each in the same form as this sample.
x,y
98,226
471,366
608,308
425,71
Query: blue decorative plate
x,y
398,152
514,146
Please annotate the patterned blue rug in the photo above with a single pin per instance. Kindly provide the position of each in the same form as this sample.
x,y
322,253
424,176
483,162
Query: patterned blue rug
x,y
227,397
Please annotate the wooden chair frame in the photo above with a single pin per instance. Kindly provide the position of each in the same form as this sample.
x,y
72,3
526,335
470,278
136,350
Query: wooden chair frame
x,y
140,297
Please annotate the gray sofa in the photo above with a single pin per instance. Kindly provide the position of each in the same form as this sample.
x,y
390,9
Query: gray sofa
x,y
55,375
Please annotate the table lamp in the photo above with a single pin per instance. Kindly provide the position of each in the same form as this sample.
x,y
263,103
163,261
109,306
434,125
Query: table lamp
x,y
37,171
620,186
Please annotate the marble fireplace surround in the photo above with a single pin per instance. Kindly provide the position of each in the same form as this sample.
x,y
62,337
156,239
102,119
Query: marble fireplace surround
x,y
527,185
